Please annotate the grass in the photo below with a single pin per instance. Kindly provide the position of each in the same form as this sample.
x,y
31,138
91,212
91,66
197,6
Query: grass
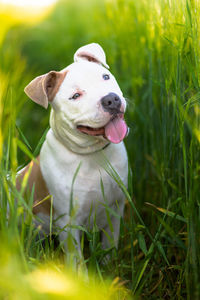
x,y
153,50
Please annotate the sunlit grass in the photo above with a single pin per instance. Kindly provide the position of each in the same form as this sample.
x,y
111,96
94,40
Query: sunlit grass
x,y
29,3
52,281
11,15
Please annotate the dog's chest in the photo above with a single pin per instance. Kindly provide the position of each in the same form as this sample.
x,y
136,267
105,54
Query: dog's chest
x,y
79,183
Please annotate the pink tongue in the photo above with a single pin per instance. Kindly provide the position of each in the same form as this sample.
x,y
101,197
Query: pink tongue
x,y
116,130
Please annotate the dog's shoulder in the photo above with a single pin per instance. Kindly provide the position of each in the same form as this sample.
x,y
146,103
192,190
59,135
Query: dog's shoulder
x,y
35,180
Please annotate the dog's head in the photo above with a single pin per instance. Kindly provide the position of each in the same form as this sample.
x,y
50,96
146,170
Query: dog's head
x,y
88,105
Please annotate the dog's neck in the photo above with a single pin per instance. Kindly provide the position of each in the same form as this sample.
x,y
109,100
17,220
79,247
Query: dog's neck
x,y
73,140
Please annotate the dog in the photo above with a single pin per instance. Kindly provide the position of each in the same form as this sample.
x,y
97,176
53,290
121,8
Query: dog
x,y
86,124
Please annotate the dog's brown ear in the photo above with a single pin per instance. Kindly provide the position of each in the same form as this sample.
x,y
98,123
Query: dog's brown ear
x,y
91,52
43,89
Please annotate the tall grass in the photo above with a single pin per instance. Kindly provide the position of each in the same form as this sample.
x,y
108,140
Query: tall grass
x,y
153,50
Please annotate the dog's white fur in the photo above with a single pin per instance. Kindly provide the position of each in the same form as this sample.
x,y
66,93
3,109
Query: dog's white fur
x,y
65,148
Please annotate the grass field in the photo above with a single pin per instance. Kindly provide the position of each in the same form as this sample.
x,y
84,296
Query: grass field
x,y
153,49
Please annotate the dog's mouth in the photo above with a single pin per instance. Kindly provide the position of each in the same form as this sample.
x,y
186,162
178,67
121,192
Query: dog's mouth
x,y
114,131
91,131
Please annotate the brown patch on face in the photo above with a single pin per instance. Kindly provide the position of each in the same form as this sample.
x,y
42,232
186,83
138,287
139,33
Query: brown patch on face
x,y
40,190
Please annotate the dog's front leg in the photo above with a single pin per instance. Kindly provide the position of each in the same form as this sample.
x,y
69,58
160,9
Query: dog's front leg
x,y
72,246
110,233
70,237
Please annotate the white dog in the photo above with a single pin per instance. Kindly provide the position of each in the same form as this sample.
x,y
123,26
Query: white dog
x,y
86,124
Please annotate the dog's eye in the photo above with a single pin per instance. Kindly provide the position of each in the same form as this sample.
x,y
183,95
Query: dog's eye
x,y
106,77
75,96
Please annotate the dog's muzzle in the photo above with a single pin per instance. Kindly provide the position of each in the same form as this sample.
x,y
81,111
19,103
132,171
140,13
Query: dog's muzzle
x,y
111,103
116,129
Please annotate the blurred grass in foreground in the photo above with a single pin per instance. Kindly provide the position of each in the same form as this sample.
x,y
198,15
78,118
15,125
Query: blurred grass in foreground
x,y
153,50
51,281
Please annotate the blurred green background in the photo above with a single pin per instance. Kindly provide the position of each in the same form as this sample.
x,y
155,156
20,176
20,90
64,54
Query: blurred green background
x,y
152,48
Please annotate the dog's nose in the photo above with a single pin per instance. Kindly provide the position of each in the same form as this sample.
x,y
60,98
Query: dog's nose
x,y
111,103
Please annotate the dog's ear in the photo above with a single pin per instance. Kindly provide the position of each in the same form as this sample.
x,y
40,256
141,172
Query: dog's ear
x,y
91,52
43,89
